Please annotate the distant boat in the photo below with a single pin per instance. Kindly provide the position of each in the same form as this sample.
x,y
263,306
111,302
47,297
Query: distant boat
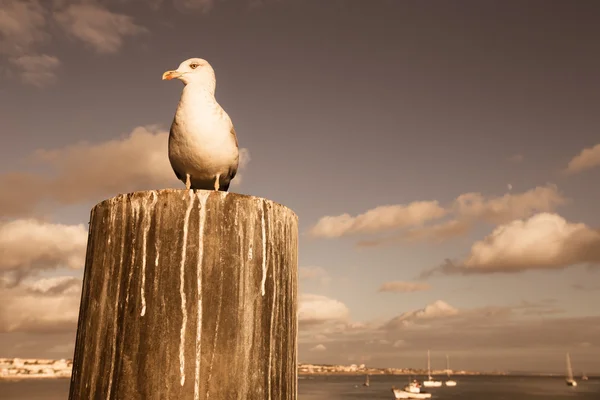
x,y
411,391
584,377
366,381
449,382
570,381
430,382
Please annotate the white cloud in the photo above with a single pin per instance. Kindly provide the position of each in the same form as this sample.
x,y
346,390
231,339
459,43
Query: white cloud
x,y
544,241
29,246
319,347
471,208
497,210
97,27
588,158
81,172
37,70
315,309
378,219
404,287
43,306
435,233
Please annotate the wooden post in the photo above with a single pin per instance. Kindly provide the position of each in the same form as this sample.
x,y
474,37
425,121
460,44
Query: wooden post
x,y
188,295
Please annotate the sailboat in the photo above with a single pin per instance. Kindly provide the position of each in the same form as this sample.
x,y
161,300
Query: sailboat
x,y
430,382
366,381
584,377
570,381
449,382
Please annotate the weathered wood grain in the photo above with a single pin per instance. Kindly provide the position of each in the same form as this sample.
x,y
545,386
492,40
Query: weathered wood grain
x,y
188,295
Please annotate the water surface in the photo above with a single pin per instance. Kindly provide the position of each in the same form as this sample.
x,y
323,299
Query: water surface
x,y
350,387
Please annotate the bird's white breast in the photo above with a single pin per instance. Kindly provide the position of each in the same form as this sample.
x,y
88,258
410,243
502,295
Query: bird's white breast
x,y
201,142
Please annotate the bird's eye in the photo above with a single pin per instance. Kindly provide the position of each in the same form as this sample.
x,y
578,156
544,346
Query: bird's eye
x,y
194,65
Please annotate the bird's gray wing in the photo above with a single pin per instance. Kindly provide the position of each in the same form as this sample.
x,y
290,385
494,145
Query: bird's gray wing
x,y
172,134
234,136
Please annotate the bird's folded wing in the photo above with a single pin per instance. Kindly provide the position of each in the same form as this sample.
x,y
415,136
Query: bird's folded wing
x,y
234,136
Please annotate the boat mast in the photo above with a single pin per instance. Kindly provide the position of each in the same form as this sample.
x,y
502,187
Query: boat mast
x,y
569,368
428,365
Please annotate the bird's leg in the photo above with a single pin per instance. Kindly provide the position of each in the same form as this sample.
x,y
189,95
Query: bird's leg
x,y
217,182
188,183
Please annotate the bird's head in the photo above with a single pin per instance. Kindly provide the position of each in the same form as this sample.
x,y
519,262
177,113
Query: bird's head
x,y
193,70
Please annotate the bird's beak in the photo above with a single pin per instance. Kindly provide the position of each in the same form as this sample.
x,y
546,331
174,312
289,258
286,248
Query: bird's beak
x,y
171,75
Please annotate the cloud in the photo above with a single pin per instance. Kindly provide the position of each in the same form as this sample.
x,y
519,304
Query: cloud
x,y
435,233
97,27
378,219
585,288
203,6
588,158
319,347
314,309
521,336
87,172
37,70
49,305
404,287
25,25
435,310
497,210
314,273
544,241
29,247
471,208
22,25
469,329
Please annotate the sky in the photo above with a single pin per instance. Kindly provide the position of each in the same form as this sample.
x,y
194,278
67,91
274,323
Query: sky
x,y
443,159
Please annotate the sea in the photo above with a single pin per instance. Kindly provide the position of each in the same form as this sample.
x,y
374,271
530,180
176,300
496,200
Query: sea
x,y
350,387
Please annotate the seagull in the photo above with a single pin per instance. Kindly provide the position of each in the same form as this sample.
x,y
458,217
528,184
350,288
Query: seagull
x,y
203,146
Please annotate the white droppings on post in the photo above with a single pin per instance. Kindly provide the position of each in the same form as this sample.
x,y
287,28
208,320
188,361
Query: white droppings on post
x,y
156,243
202,198
264,249
274,296
118,291
250,238
182,287
147,223
135,209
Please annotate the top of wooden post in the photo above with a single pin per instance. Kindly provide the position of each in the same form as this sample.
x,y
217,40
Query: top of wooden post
x,y
145,195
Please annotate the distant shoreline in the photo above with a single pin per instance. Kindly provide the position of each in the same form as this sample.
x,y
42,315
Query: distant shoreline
x,y
420,373
32,376
306,374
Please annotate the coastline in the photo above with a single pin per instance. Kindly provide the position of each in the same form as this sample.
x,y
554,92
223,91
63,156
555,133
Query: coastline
x,y
32,376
